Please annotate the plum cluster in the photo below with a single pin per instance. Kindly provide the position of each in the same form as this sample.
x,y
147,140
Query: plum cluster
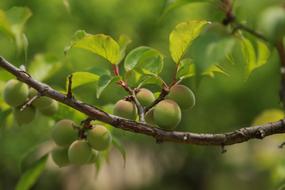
x,y
77,145
16,94
166,114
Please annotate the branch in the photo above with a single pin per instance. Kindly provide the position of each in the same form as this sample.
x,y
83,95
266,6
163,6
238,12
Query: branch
x,y
229,138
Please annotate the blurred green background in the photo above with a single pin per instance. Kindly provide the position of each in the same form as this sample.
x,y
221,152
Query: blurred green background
x,y
224,103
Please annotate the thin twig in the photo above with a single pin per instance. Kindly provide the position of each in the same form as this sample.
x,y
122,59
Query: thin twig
x,y
30,101
69,87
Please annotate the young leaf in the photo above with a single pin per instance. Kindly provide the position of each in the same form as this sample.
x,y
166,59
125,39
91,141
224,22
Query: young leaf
x,y
82,78
254,58
150,79
186,69
31,175
117,144
182,36
123,41
104,81
144,59
100,44
214,69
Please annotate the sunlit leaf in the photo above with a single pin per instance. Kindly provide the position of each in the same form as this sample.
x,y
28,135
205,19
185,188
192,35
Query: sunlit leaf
x,y
123,41
43,67
254,57
269,115
144,59
31,175
100,44
182,36
150,79
82,78
214,69
117,144
186,69
104,81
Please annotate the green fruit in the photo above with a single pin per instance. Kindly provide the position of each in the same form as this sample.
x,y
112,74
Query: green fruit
x,y
99,137
42,102
272,23
64,133
125,109
149,117
93,157
79,152
182,95
145,97
167,114
15,93
60,156
32,92
26,116
49,110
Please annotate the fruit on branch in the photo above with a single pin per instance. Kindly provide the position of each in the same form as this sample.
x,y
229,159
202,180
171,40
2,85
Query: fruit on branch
x,y
64,132
94,157
60,156
15,93
99,137
182,95
26,116
272,23
167,114
125,109
42,102
50,109
79,152
149,117
32,92
145,97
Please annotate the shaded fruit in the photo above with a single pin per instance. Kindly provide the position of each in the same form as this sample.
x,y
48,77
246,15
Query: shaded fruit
x,y
125,109
79,152
60,156
149,117
32,92
272,23
145,97
182,95
64,133
99,137
42,102
50,109
93,157
15,93
167,114
26,116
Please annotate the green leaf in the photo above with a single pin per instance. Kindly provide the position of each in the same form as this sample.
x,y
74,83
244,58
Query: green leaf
x,y
186,69
150,79
214,69
123,41
144,59
12,23
117,144
100,44
269,115
30,176
82,78
254,58
182,36
43,67
104,81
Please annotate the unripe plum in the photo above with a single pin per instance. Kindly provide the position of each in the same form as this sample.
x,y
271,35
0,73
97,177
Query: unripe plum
x,y
125,109
42,102
26,116
182,95
79,152
167,114
149,117
60,156
50,109
32,92
145,97
93,157
99,137
64,133
15,93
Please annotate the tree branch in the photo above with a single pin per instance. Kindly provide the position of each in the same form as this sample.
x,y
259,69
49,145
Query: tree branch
x,y
229,138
